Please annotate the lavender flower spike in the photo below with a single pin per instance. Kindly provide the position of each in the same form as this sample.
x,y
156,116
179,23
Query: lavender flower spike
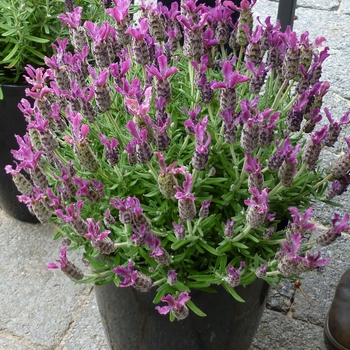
x,y
67,267
186,206
258,207
335,231
233,277
176,305
133,278
99,240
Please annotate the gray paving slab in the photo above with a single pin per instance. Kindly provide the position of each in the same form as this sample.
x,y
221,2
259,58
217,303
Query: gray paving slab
x,y
36,305
279,332
345,7
331,5
8,341
321,283
85,328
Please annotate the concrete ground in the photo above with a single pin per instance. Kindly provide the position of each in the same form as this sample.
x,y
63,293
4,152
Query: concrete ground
x,y
42,310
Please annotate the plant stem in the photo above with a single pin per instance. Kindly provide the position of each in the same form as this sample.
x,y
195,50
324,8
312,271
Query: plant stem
x,y
152,171
240,56
184,145
327,178
273,273
189,227
102,174
242,234
157,283
191,73
234,160
223,52
276,189
280,91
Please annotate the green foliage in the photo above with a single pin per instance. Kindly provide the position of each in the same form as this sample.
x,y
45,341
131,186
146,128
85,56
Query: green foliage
x,y
27,30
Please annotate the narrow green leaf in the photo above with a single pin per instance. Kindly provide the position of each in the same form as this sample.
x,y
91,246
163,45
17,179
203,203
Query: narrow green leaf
x,y
195,309
178,244
197,285
36,39
239,245
209,248
10,54
181,287
233,293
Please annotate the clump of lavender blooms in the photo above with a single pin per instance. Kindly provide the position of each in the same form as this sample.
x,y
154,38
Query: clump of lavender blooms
x,y
180,166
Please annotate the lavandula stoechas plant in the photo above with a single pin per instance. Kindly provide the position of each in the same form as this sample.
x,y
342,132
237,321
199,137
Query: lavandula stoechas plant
x,y
181,161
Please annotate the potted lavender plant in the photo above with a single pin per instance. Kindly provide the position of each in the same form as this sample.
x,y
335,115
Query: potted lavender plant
x,y
186,177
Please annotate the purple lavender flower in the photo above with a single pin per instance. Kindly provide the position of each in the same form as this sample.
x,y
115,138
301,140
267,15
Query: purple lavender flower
x,y
71,214
338,226
172,277
261,271
335,127
112,152
81,148
259,73
267,127
192,121
256,177
179,230
36,203
99,240
193,47
125,207
258,207
204,210
176,305
166,179
140,48
108,219
229,228
133,278
201,155
276,160
163,88
186,206
313,148
289,261
342,165
66,266
138,238
288,168
120,14
228,95
300,222
143,149
102,90
160,255
233,277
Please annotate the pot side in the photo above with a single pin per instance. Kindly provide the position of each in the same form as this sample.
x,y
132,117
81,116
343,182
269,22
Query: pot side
x,y
131,322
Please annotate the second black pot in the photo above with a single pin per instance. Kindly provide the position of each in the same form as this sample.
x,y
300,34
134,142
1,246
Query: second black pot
x,y
11,122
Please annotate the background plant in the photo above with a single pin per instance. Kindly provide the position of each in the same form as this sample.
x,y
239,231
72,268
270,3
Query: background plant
x,y
27,29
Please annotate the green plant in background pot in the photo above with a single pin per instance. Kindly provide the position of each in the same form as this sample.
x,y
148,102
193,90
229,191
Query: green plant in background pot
x,y
181,172
27,30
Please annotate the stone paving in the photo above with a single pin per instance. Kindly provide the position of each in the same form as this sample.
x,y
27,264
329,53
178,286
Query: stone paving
x,y
43,310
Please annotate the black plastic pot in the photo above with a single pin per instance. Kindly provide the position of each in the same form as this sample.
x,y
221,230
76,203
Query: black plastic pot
x,y
11,122
131,322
